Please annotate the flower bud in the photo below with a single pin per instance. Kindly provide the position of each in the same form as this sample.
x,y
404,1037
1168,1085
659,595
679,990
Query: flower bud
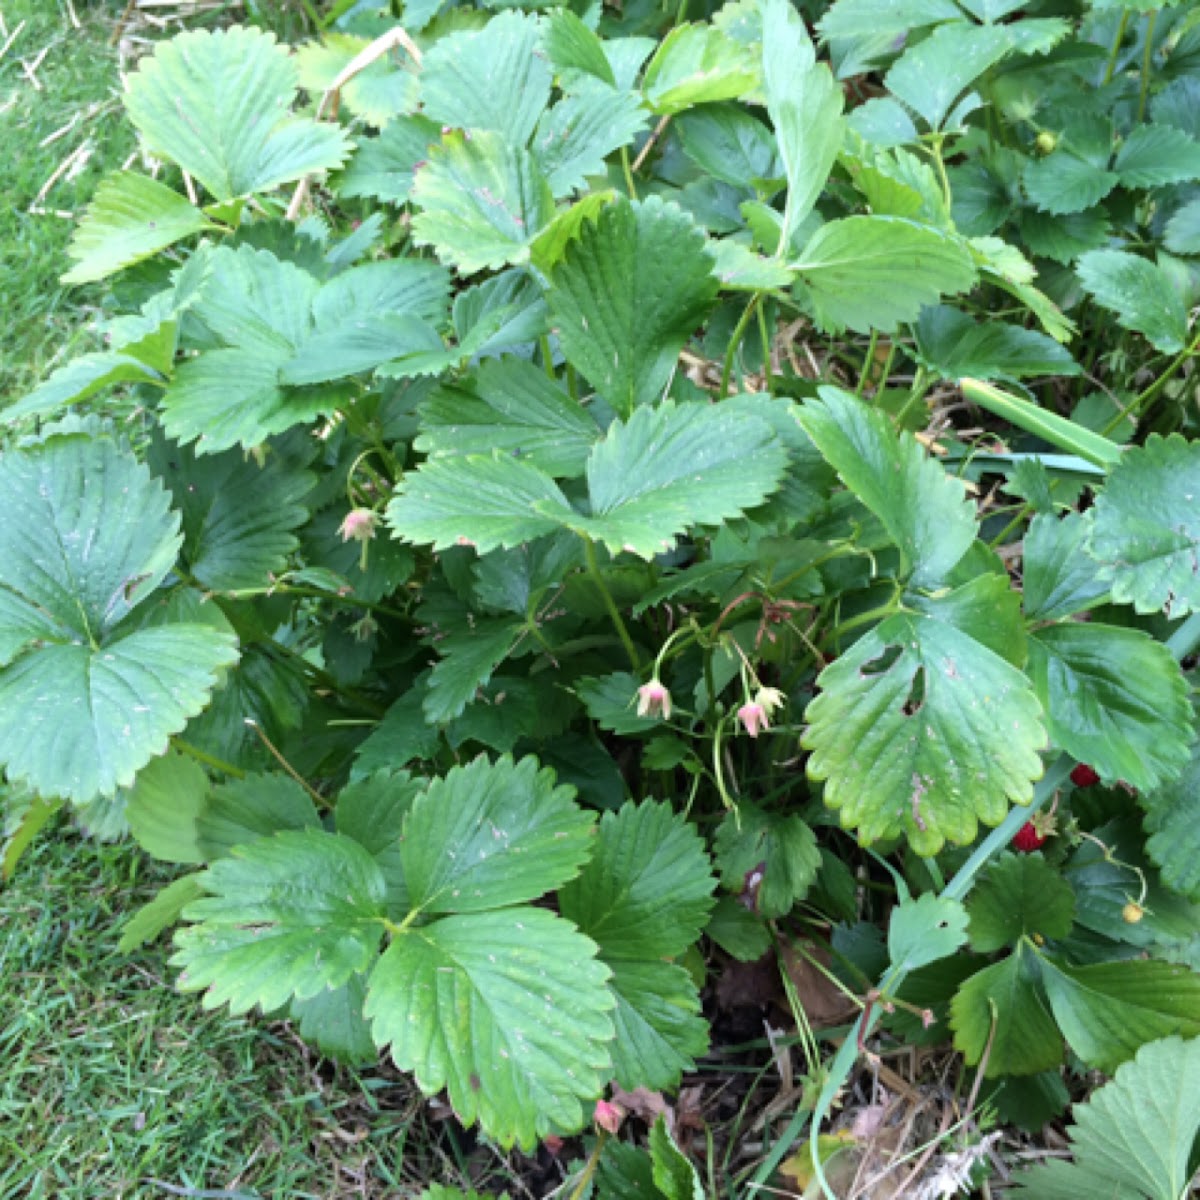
x,y
754,718
654,700
359,525
608,1116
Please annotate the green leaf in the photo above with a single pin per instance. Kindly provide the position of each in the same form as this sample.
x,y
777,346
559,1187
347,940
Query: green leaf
x,y
924,930
77,380
398,739
160,914
611,701
647,890
1147,529
1154,155
1139,293
1114,698
1182,233
513,833
482,199
669,468
383,167
850,19
468,658
372,810
470,500
285,916
575,137
674,1175
1005,997
726,142
1020,896
510,406
131,217
1063,238
1135,1136
257,806
697,64
573,48
25,817
1064,183
506,1010
740,269
1172,818
378,92
618,321
931,75
805,105
333,1021
163,804
217,105
954,345
1108,1011
738,931
361,344
985,608
921,730
873,273
769,859
238,518
925,511
1060,578
492,78
86,701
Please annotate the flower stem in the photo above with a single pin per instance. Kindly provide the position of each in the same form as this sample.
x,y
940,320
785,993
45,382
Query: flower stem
x,y
209,760
1147,56
735,340
1145,399
1115,52
593,566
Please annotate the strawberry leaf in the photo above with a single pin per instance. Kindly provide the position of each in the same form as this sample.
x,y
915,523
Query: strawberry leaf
x,y
1021,895
1139,294
697,64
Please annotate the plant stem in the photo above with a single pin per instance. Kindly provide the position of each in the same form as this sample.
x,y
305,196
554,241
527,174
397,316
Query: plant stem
x,y
629,184
1144,399
1147,56
547,357
288,590
765,334
593,566
1115,52
209,760
864,376
590,1168
735,340
914,394
316,797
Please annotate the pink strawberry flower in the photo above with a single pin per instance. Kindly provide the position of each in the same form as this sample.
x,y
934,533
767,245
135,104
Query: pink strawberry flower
x,y
754,718
654,700
359,525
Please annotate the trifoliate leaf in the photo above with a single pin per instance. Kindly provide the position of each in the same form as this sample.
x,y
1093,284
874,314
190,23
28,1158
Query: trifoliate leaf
x,y
1154,155
285,916
805,105
1060,578
697,64
872,273
509,405
931,75
1147,527
245,810
575,136
921,730
1063,238
514,834
1139,293
470,500
627,296
1114,698
985,608
924,930
130,218
740,269
384,167
670,468
952,344
482,199
333,1021
1108,1011
1064,183
1003,1005
1135,1136
925,510
217,104
492,78
163,804
507,1010
1020,896
573,48
770,860
86,700
372,810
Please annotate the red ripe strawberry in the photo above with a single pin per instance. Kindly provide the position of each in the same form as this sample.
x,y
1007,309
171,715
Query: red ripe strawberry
x,y
1028,839
1084,776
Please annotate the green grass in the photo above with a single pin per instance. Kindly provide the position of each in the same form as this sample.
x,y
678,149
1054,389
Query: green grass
x,y
111,1079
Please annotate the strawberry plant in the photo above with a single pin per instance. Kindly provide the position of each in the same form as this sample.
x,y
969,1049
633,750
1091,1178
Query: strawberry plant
x,y
516,556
